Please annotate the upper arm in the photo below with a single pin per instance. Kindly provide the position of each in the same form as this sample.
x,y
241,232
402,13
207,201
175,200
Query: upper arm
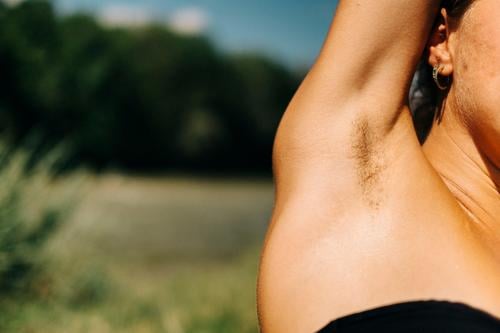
x,y
372,49
348,125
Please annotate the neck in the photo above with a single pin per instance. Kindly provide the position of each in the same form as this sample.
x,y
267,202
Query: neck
x,y
470,175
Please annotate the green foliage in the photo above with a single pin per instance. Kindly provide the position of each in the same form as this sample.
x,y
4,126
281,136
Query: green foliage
x,y
27,221
136,98
87,289
108,273
191,299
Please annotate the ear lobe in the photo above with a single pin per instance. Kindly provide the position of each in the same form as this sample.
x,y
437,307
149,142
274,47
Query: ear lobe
x,y
439,55
438,46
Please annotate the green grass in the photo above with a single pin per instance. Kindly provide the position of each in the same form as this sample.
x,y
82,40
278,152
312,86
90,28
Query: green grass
x,y
155,254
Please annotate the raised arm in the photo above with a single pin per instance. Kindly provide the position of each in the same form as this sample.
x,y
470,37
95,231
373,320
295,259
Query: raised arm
x,y
346,159
371,51
336,132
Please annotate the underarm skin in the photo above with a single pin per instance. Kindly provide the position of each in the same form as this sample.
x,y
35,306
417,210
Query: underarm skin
x,y
353,97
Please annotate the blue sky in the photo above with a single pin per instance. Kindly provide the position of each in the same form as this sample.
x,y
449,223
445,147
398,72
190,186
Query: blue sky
x,y
289,30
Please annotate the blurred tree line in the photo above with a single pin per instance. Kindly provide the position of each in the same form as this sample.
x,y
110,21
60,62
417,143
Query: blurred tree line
x,y
136,99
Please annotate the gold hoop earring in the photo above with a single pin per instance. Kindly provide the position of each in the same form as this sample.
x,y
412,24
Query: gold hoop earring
x,y
435,75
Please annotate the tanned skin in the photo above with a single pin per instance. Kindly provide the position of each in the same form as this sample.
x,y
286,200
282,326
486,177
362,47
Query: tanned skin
x,y
364,216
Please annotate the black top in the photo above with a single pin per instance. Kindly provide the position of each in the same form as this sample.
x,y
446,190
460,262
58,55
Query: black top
x,y
422,316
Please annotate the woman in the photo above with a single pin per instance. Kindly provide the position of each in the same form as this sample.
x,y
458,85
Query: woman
x,y
369,221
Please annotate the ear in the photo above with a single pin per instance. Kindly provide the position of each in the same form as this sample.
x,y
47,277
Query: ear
x,y
438,45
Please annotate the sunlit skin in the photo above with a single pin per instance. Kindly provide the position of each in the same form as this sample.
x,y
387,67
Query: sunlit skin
x,y
465,147
364,215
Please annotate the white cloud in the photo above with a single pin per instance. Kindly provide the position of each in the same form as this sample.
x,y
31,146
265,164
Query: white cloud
x,y
189,20
125,15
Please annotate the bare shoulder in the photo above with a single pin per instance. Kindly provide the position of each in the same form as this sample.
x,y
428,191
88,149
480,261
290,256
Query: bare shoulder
x,y
361,218
375,225
342,276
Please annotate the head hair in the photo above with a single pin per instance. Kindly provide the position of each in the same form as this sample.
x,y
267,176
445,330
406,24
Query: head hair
x,y
425,97
456,8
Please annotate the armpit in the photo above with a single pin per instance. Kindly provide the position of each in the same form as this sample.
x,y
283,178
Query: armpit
x,y
368,157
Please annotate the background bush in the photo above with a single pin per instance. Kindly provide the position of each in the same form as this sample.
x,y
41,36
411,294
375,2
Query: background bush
x,y
136,99
29,217
142,99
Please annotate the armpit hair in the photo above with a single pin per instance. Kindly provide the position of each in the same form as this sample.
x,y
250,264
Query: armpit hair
x,y
368,161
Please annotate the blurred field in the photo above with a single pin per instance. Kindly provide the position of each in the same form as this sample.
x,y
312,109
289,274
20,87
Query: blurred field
x,y
154,254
